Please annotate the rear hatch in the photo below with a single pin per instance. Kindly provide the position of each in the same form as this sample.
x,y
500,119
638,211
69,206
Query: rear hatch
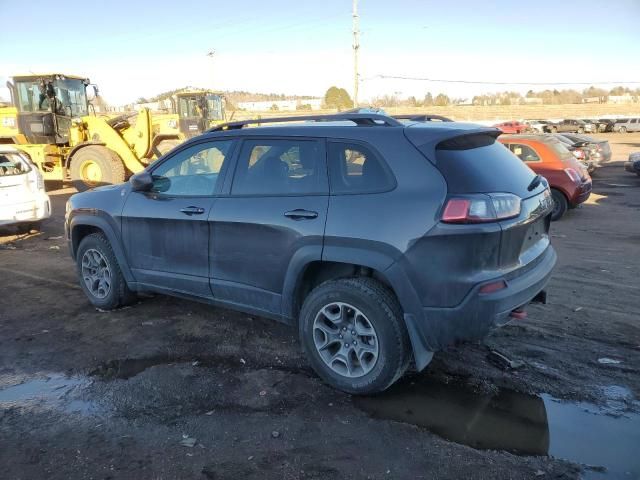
x,y
15,188
474,165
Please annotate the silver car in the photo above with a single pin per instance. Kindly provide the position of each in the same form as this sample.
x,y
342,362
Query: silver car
x,y
627,125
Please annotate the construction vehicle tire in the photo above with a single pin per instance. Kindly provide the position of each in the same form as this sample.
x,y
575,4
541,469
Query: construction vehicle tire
x,y
94,166
165,146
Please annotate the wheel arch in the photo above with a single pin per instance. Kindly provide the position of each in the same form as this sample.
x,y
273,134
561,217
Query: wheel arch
x,y
84,225
74,150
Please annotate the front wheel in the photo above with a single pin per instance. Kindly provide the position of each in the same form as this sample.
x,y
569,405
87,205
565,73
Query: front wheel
x,y
560,204
100,276
353,334
554,130
623,130
581,130
96,165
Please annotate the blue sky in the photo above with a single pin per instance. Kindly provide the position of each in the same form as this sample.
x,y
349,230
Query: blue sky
x,y
139,48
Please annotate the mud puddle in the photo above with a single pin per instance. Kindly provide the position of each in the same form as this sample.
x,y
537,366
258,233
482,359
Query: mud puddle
x,y
604,438
54,391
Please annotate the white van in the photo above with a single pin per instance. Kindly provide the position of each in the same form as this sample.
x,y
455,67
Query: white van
x,y
23,200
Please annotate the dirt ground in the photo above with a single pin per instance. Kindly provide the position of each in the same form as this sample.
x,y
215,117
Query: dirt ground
x,y
171,389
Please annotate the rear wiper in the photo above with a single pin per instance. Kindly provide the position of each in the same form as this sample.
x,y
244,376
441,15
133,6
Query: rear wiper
x,y
534,183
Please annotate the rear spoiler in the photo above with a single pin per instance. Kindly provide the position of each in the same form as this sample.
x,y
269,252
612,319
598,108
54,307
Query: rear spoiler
x,y
454,139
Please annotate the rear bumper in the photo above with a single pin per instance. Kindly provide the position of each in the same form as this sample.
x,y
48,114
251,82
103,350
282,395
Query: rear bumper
x,y
581,194
478,313
34,210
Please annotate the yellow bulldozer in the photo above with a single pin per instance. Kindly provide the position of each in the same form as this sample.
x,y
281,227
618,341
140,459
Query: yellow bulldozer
x,y
51,119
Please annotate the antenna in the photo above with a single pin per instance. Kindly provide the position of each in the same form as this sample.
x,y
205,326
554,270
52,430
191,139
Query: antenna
x,y
356,47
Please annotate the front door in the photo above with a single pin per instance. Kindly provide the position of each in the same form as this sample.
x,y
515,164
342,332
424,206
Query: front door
x,y
273,217
166,229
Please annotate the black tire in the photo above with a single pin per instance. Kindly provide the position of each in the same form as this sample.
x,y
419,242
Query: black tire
x,y
561,204
119,293
382,310
108,165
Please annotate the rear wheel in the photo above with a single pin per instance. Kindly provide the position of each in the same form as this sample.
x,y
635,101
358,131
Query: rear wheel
x,y
94,166
623,130
554,130
560,204
581,130
354,336
100,276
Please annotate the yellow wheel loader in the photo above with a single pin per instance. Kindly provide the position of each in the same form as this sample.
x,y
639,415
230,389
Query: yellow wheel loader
x,y
197,111
52,121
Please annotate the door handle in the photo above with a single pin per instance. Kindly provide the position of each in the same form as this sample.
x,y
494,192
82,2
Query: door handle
x,y
300,214
192,210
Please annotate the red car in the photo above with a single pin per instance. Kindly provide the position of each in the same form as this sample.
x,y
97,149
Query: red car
x,y
547,156
512,127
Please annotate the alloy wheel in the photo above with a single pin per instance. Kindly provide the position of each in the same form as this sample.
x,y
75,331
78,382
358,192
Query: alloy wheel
x,y
345,340
96,273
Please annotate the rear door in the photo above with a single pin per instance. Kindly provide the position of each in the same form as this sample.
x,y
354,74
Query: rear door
x,y
272,220
165,230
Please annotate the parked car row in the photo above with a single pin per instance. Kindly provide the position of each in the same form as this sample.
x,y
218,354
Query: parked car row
x,y
633,164
579,126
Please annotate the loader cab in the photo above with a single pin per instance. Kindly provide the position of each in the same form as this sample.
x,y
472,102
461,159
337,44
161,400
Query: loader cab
x,y
46,105
197,111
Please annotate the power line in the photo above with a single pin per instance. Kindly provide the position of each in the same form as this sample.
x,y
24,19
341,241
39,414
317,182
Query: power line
x,y
473,82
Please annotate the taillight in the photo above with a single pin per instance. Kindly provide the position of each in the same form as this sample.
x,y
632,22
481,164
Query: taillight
x,y
490,207
573,175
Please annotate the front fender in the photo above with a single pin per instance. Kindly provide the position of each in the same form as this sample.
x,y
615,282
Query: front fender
x,y
92,218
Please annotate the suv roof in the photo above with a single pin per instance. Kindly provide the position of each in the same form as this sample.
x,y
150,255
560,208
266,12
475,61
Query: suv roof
x,y
433,127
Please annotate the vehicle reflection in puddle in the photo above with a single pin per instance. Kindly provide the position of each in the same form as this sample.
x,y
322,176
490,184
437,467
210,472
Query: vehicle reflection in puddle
x,y
524,424
54,391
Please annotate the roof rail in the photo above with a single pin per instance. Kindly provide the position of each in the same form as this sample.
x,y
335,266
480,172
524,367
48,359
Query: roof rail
x,y
427,117
360,119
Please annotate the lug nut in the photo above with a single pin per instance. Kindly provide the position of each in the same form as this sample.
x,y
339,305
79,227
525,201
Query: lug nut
x,y
346,345
354,342
340,335
353,332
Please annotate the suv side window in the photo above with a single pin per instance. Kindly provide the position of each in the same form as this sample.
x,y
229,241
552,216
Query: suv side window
x,y
193,171
524,152
355,168
280,167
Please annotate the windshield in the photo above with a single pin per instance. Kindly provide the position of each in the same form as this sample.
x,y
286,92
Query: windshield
x,y
189,107
214,104
70,97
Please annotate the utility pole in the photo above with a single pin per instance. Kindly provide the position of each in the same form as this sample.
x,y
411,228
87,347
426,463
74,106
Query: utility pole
x,y
356,47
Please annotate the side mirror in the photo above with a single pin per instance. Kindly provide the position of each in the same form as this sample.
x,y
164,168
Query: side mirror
x,y
141,182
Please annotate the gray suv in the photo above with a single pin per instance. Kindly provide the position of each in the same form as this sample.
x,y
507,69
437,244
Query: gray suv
x,y
381,240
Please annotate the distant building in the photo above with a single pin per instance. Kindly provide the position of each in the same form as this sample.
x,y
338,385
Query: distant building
x,y
626,98
280,105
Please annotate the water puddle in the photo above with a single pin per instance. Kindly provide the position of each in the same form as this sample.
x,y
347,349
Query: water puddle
x,y
583,433
54,391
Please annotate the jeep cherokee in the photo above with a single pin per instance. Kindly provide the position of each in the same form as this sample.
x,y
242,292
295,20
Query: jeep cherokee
x,y
382,240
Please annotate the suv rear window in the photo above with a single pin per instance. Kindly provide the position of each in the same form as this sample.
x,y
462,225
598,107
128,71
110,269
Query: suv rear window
x,y
356,168
480,164
560,149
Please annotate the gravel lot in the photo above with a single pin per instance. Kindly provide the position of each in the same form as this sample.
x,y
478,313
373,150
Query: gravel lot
x,y
173,389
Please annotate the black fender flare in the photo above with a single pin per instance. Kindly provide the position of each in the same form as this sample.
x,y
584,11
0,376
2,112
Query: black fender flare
x,y
387,267
73,151
102,224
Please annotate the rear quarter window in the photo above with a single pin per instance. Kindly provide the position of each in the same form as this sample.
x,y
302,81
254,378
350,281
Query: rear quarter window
x,y
357,168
